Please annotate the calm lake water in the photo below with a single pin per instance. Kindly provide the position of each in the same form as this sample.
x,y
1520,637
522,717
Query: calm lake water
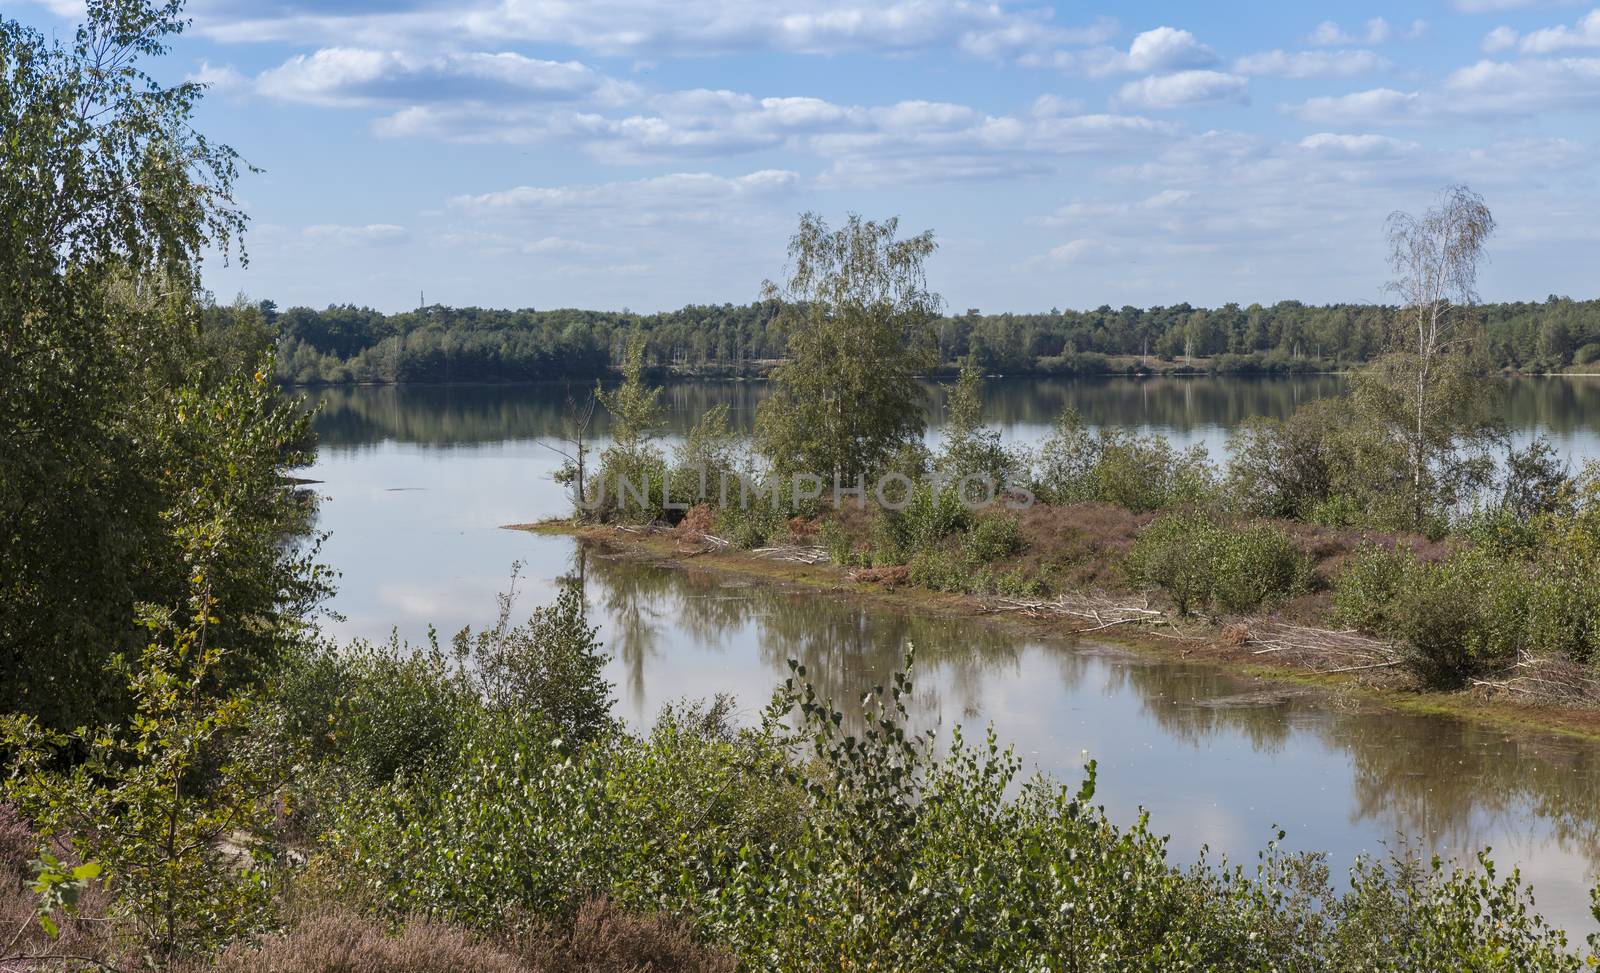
x,y
417,481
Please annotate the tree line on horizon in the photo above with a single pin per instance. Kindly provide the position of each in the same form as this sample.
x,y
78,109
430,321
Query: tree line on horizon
x,y
349,344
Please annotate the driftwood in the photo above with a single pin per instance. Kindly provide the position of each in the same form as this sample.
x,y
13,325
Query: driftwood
x,y
1322,650
1546,679
800,554
1095,612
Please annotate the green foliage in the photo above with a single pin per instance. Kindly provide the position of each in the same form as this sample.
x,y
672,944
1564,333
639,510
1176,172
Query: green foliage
x,y
993,536
841,545
137,447
755,524
1290,467
1201,562
812,836
928,516
344,343
707,460
1138,472
1365,589
970,449
1422,438
633,476
149,806
59,887
1490,604
857,310
552,665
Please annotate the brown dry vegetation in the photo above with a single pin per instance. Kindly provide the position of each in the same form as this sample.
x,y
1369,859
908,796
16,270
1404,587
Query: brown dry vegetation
x,y
599,940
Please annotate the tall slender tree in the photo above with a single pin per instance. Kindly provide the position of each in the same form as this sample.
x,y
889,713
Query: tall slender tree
x,y
1435,260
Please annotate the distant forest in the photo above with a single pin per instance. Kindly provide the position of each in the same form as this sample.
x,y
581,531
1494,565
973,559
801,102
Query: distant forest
x,y
343,343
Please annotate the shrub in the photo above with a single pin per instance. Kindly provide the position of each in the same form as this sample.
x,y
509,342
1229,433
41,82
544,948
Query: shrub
x,y
148,806
399,709
1139,473
1200,562
841,545
1587,354
1365,590
814,835
1480,608
928,517
993,536
752,525
552,665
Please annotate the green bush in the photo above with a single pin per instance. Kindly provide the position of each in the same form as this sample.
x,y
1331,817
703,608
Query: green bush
x,y
1587,354
1203,563
993,536
841,545
1365,589
1477,610
927,518
1140,473
752,525
552,665
811,836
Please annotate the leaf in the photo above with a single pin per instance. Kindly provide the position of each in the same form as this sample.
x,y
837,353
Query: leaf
x,y
86,872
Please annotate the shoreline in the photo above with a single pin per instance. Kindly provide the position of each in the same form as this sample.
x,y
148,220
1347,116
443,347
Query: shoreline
x,y
671,549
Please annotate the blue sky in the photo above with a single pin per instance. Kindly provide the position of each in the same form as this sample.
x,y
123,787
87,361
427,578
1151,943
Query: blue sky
x,y
624,153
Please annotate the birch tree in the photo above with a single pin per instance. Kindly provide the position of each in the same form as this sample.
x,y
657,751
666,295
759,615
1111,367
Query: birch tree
x,y
860,316
1435,260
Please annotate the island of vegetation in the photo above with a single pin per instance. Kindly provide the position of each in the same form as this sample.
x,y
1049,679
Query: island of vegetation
x,y
197,779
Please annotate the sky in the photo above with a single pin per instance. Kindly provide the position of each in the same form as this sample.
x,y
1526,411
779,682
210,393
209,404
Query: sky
x,y
646,155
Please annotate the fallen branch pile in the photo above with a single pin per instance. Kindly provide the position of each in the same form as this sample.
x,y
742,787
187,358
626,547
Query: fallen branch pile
x,y
1320,649
1547,679
1096,612
800,554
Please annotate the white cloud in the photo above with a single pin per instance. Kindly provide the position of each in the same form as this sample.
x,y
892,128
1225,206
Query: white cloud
x,y
1500,39
684,196
1155,51
345,76
1073,251
1168,49
1497,87
1487,89
1312,64
1332,145
1330,34
691,28
1383,106
1585,34
1183,89
222,80
370,235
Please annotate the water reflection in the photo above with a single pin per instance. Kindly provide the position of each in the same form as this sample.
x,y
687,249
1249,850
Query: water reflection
x,y
440,415
1217,759
416,482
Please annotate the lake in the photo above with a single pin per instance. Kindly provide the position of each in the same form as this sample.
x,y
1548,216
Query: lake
x,y
417,482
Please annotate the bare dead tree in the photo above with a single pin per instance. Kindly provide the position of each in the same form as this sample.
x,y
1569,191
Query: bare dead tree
x,y
1435,261
574,436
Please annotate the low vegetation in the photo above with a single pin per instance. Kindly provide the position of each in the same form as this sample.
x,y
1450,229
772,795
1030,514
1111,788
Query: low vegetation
x,y
536,837
195,780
